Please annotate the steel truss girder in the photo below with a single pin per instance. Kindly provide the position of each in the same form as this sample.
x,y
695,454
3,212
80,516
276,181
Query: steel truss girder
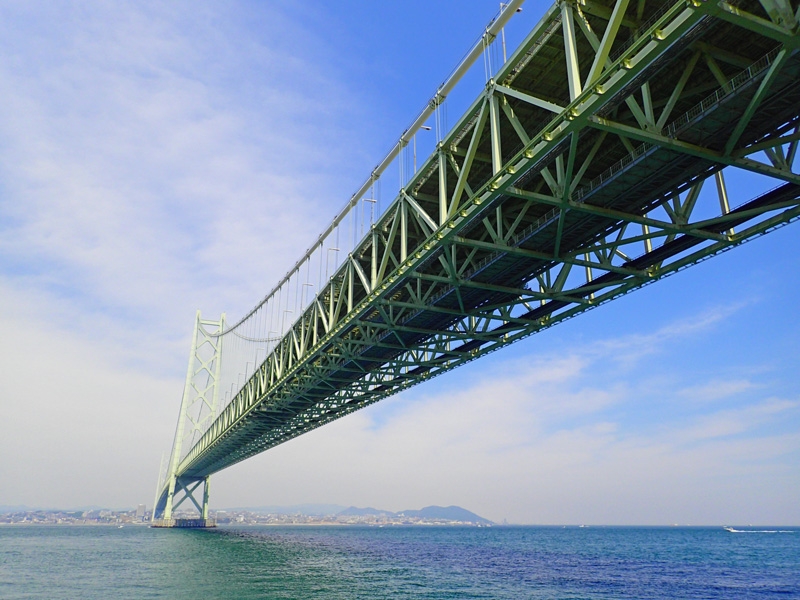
x,y
551,196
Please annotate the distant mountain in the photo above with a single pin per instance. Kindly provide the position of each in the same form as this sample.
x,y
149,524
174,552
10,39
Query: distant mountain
x,y
447,513
444,513
354,511
311,510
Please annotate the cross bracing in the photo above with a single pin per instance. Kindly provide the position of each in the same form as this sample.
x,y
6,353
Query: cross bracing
x,y
593,163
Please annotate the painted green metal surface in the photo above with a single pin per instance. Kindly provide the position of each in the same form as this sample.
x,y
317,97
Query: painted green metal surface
x,y
576,177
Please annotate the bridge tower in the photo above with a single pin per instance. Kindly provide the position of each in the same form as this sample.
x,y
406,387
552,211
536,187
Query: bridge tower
x,y
199,407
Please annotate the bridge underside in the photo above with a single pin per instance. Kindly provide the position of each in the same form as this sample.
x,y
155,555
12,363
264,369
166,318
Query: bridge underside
x,y
591,166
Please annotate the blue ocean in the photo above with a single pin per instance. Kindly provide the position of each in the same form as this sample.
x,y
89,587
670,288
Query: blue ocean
x,y
88,562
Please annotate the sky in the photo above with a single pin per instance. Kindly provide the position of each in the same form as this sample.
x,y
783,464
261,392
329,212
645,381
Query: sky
x,y
160,158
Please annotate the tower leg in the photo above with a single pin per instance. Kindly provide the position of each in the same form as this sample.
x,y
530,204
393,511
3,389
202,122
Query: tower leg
x,y
205,498
170,498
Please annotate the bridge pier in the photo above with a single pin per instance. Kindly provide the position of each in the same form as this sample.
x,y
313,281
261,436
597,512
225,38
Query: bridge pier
x,y
188,487
184,523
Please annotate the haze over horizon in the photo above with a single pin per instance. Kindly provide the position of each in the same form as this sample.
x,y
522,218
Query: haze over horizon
x,y
157,159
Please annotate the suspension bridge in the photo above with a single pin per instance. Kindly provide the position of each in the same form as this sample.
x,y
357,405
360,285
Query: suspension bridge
x,y
592,163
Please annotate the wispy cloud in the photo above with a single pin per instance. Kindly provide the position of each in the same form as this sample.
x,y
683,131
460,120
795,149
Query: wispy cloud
x,y
717,389
726,423
628,350
143,171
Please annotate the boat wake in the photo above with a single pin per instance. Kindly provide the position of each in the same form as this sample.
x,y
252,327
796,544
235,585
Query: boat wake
x,y
732,530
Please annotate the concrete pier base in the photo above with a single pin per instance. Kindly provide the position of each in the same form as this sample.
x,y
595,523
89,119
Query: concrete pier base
x,y
185,523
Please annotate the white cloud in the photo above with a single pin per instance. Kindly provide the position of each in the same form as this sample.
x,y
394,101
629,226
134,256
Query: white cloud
x,y
725,423
146,173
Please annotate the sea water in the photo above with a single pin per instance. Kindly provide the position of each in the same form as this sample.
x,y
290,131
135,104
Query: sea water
x,y
88,562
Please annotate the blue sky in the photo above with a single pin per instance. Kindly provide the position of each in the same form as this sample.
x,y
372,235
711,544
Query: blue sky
x,y
160,159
